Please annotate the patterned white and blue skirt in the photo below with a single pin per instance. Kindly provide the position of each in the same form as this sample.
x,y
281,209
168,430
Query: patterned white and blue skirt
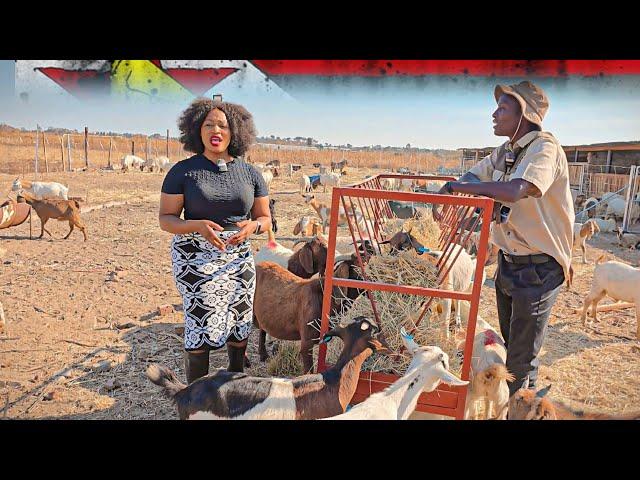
x,y
217,289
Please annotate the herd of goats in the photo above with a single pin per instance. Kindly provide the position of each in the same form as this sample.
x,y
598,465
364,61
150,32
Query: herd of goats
x,y
294,274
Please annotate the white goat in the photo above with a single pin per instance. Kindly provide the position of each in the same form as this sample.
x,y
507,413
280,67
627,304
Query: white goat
x,y
41,190
617,280
267,174
429,367
272,251
616,207
307,227
305,184
459,278
609,225
329,179
582,233
131,161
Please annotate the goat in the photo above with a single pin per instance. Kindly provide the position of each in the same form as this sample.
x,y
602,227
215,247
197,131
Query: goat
x,y
330,179
287,307
324,212
151,164
57,209
164,164
582,233
609,225
592,206
617,280
307,227
628,240
403,210
616,207
238,396
429,366
272,251
460,278
338,165
305,184
525,404
310,259
489,374
131,161
267,174
41,190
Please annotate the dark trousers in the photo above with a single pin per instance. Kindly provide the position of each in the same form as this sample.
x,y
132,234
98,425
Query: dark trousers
x,y
525,294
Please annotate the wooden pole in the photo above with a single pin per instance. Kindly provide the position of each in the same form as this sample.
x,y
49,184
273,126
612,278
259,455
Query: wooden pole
x,y
133,147
86,147
62,151
167,143
44,145
37,144
109,158
146,149
69,151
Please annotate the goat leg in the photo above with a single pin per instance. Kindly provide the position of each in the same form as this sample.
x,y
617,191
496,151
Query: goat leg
x,y
262,348
306,354
71,226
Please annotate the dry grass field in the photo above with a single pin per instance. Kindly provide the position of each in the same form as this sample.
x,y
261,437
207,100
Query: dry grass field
x,y
82,325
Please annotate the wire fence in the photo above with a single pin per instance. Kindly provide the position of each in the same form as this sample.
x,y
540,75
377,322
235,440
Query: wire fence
x,y
58,152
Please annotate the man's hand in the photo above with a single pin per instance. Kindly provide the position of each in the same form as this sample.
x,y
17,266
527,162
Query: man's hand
x,y
247,227
445,190
207,229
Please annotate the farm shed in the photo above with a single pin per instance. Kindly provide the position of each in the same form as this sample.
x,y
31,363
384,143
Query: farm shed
x,y
600,168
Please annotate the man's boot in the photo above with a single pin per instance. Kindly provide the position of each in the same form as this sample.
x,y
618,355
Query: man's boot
x,y
196,364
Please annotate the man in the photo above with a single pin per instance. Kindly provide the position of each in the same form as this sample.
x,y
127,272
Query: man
x,y
528,175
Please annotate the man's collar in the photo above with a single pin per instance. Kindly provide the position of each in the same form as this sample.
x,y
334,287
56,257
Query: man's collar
x,y
523,141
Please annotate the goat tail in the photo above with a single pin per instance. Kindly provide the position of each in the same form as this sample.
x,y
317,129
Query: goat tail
x,y
165,378
497,373
600,258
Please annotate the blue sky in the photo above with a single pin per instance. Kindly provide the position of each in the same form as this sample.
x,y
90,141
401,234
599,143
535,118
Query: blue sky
x,y
443,112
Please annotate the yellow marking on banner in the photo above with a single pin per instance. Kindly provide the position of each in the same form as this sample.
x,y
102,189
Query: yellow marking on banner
x,y
142,79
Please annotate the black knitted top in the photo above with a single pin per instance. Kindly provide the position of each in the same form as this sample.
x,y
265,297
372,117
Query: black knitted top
x,y
209,194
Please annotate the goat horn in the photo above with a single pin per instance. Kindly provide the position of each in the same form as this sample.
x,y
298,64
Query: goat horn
x,y
295,242
543,392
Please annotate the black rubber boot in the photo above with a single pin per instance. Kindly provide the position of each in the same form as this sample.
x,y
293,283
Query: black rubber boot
x,y
236,357
196,365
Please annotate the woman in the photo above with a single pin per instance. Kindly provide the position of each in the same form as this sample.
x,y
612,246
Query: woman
x,y
211,255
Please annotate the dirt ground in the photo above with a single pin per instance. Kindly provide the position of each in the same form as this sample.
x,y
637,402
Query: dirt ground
x,y
82,322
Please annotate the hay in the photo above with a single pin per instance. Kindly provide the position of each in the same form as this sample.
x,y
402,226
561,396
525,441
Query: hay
x,y
398,310
424,229
286,363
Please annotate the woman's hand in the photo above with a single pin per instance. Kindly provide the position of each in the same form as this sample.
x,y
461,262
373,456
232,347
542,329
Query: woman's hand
x,y
207,229
247,227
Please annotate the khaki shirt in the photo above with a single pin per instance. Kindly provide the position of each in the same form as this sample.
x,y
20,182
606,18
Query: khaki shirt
x,y
536,225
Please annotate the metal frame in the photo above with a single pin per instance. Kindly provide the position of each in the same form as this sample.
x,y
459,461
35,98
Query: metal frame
x,y
632,191
373,203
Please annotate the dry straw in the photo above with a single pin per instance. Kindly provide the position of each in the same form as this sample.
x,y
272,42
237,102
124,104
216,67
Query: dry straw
x,y
398,310
286,362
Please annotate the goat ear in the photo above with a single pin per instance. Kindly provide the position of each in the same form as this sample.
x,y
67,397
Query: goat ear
x,y
449,378
296,229
543,392
306,258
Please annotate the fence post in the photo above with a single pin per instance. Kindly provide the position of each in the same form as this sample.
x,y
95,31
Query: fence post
x,y
69,151
146,149
133,147
37,142
109,158
62,151
167,143
86,147
44,145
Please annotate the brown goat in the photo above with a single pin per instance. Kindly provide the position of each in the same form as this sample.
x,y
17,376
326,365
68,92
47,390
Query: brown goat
x,y
284,307
237,396
310,259
526,404
57,209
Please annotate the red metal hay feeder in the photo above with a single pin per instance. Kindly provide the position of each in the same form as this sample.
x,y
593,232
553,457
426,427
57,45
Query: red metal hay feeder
x,y
456,226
